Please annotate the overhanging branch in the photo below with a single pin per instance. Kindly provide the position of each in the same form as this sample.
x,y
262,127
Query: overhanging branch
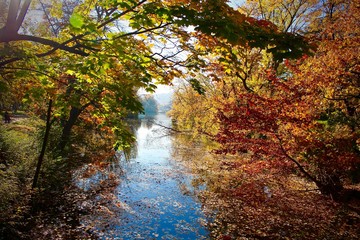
x,y
50,43
301,168
121,14
55,45
9,32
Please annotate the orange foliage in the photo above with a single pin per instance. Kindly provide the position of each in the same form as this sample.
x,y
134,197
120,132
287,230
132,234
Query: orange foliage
x,y
308,118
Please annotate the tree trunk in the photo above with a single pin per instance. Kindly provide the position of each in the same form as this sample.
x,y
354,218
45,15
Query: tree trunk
x,y
330,184
43,148
65,136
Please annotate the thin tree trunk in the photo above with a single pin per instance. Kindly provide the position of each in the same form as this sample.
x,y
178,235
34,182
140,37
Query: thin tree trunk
x,y
65,136
43,148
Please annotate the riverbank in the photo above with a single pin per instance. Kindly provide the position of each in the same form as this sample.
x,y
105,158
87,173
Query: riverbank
x,y
53,209
246,203
170,188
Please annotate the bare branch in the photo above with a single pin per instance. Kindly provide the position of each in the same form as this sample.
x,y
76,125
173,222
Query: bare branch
x,y
143,31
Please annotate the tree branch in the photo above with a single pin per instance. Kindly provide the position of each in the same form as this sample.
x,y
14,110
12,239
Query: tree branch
x,y
22,14
244,82
7,35
301,168
44,41
12,14
120,15
169,128
144,31
30,70
54,44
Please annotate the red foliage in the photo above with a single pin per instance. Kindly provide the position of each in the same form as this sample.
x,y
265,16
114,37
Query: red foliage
x,y
283,125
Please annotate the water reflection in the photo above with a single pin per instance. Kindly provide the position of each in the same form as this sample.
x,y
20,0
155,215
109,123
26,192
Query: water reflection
x,y
154,198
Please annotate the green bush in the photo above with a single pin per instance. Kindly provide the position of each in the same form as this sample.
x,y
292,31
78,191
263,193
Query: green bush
x,y
18,151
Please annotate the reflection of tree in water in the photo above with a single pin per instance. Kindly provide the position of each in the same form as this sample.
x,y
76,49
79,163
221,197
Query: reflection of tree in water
x,y
148,122
193,154
243,203
149,186
112,164
134,125
157,131
128,153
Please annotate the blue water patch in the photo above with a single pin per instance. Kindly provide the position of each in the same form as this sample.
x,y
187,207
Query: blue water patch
x,y
155,195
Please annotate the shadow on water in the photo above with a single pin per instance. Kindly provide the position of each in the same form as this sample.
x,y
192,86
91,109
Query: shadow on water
x,y
154,198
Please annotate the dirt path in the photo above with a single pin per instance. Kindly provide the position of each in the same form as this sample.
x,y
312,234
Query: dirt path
x,y
15,117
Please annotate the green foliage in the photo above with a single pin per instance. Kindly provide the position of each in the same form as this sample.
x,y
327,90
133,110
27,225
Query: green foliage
x,y
238,29
106,53
18,152
91,57
195,84
76,20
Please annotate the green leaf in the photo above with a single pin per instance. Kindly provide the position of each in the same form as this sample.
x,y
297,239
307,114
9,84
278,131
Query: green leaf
x,y
70,72
3,87
76,20
195,84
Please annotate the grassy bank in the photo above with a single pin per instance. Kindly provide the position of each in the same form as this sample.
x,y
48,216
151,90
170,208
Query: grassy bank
x,y
51,210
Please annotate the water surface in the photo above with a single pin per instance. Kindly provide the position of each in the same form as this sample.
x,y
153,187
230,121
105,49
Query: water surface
x,y
154,195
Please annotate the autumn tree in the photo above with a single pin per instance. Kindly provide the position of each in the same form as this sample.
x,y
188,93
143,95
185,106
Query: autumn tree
x,y
112,69
98,38
92,58
289,16
306,119
232,63
272,109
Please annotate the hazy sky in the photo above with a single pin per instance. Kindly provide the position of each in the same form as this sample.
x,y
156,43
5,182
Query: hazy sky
x,y
235,3
164,89
160,89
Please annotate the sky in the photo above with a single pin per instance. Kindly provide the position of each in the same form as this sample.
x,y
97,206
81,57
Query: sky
x,y
159,90
164,89
236,3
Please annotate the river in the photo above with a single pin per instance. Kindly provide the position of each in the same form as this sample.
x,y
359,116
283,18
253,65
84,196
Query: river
x,y
154,196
